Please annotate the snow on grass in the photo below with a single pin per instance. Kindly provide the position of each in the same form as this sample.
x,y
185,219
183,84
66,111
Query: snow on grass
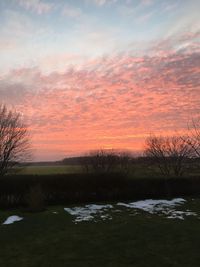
x,y
163,207
166,208
13,219
88,212
152,205
160,207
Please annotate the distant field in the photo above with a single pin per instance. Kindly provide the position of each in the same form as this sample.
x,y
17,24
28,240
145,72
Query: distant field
x,y
45,170
128,239
136,171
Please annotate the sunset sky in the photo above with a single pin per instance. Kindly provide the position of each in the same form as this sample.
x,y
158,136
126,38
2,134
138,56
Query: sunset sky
x,y
89,74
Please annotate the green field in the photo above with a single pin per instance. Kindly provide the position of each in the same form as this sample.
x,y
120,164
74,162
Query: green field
x,y
46,170
128,239
136,171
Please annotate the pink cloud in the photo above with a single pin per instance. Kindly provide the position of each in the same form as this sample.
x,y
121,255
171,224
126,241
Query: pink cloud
x,y
113,101
71,11
101,2
147,2
38,6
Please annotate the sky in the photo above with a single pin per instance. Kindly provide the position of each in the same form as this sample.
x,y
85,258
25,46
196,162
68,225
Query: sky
x,y
99,74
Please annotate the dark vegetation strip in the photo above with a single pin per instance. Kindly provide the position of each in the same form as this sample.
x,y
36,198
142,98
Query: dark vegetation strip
x,y
82,188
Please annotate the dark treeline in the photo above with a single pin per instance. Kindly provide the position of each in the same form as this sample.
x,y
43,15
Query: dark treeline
x,y
81,188
105,176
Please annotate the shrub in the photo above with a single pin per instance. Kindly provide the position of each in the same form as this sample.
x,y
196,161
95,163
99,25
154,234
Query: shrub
x,y
35,199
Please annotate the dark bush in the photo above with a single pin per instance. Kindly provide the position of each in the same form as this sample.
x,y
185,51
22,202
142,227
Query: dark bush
x,y
87,187
35,199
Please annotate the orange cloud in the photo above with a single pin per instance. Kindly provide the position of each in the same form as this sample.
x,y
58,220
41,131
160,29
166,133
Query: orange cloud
x,y
112,102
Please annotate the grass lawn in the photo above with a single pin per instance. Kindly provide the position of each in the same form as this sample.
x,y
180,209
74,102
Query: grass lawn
x,y
142,240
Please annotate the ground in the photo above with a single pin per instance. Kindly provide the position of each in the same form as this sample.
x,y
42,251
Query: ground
x,y
129,239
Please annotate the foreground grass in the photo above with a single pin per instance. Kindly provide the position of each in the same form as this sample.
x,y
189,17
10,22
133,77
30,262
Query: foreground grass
x,y
48,239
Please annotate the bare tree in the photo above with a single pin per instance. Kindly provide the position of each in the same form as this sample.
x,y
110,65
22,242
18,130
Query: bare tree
x,y
193,138
126,162
14,140
170,154
102,161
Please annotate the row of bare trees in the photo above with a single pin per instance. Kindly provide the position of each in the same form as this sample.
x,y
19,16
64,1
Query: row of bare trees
x,y
106,161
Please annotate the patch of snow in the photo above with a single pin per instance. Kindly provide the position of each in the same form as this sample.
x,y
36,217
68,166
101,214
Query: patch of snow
x,y
13,219
150,205
167,208
160,207
175,216
88,212
106,217
180,214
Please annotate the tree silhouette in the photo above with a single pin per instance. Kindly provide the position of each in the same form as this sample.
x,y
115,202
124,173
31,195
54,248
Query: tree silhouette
x,y
14,140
